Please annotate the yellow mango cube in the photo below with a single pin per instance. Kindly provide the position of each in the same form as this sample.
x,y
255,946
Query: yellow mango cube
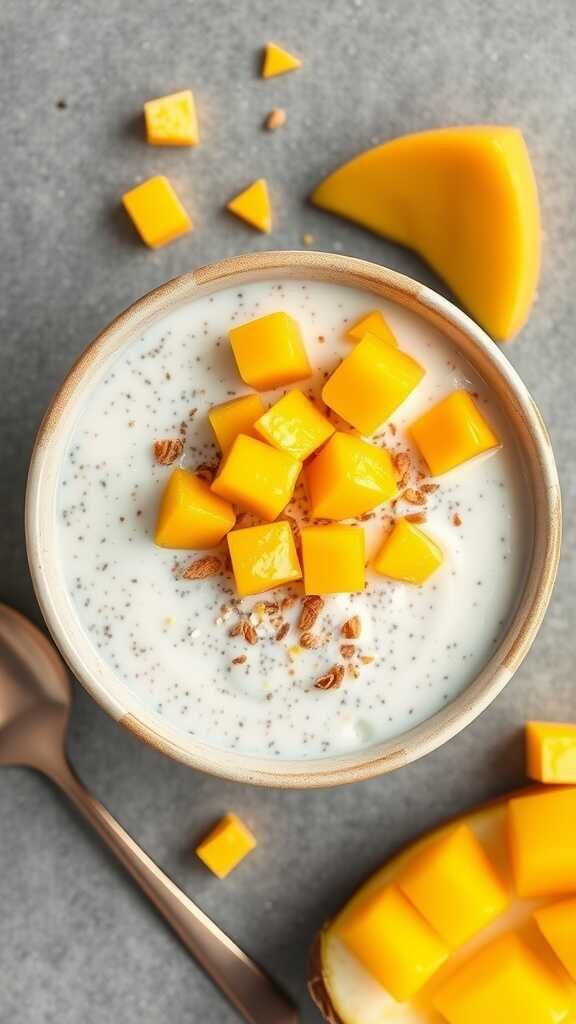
x,y
503,982
263,557
253,206
191,515
256,477
557,923
393,942
235,417
277,61
373,323
542,838
294,425
171,120
551,752
156,212
333,559
452,432
454,886
370,383
349,477
226,845
269,351
408,554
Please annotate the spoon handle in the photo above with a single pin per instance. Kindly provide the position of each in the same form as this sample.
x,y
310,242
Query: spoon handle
x,y
253,994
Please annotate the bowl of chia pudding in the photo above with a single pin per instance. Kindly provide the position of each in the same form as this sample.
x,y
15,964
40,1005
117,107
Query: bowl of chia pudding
x,y
287,687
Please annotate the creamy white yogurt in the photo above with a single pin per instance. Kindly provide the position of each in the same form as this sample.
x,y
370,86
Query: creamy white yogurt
x,y
168,639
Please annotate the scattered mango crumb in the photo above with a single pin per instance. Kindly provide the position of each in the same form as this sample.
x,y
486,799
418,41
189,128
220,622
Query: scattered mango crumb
x,y
171,120
253,206
226,845
156,212
277,61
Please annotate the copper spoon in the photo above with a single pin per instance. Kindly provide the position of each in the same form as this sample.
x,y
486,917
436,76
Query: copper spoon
x,y
35,699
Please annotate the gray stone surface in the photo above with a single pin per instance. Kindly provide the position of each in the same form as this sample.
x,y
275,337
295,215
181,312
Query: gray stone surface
x,y
77,941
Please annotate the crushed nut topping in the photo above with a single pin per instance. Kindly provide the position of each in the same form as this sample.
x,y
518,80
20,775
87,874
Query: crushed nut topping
x,y
310,641
352,628
414,497
429,488
206,472
311,608
239,660
287,603
202,568
347,650
250,634
167,451
237,629
392,429
331,680
416,517
366,516
401,462
276,118
456,519
283,631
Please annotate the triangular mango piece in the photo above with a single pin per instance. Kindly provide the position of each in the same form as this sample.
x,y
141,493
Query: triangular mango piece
x,y
253,206
372,323
465,199
278,61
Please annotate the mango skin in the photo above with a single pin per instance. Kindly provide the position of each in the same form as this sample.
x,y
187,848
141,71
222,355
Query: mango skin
x,y
190,515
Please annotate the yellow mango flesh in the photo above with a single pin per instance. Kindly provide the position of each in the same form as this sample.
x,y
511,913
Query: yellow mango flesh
x,y
370,383
542,836
349,477
408,554
333,559
557,923
235,417
465,199
452,432
294,425
395,944
257,477
551,752
156,212
454,886
191,515
269,351
171,120
277,61
253,206
373,323
226,845
263,557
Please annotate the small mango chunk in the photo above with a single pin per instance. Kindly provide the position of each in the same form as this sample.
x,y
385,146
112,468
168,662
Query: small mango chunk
x,y
349,477
263,557
190,515
235,417
253,206
294,425
551,752
269,351
452,432
542,839
256,477
333,559
226,845
454,886
156,212
504,981
277,61
171,120
408,554
465,199
393,942
370,383
557,923
373,323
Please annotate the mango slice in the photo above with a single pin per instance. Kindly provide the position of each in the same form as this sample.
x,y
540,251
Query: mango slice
x,y
542,836
373,323
190,515
269,351
349,477
452,432
171,120
253,206
333,559
408,554
156,212
237,416
294,425
465,199
277,61
551,751
557,923
256,477
263,557
226,845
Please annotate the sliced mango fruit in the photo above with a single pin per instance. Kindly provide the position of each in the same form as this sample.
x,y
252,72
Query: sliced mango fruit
x,y
295,425
349,477
333,559
257,477
191,515
156,212
542,836
226,845
237,416
557,923
407,554
263,557
253,206
465,199
372,323
171,120
277,61
551,752
269,351
452,432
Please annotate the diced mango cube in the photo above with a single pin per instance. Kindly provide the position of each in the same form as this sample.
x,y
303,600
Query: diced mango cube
x,y
235,417
557,923
454,886
190,515
393,942
370,383
263,557
156,212
333,559
373,323
551,751
408,554
171,120
226,845
253,206
452,432
349,477
277,61
503,982
270,352
542,836
256,477
294,425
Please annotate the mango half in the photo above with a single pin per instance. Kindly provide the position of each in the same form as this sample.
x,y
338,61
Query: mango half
x,y
465,200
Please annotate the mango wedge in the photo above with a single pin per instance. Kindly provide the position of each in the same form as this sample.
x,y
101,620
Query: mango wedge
x,y
465,199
